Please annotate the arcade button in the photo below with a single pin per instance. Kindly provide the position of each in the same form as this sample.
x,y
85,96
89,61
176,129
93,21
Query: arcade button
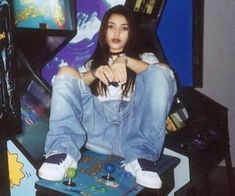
x,y
93,187
103,189
70,174
124,175
109,168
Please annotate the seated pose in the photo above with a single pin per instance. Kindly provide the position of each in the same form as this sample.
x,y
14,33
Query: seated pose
x,y
117,105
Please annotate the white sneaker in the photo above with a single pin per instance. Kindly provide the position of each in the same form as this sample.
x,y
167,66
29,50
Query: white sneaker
x,y
55,166
145,173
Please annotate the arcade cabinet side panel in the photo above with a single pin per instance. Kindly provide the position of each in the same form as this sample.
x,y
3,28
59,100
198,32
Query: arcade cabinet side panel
x,y
21,172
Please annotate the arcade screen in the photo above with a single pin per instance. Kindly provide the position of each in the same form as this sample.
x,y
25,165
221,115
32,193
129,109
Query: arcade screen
x,y
35,107
41,14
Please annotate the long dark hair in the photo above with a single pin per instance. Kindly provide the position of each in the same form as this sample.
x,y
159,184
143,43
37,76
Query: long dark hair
x,y
102,53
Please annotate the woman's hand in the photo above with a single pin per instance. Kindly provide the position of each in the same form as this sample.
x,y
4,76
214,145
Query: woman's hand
x,y
114,73
104,73
119,69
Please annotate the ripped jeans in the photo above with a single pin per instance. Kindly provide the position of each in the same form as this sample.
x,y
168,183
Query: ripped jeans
x,y
132,130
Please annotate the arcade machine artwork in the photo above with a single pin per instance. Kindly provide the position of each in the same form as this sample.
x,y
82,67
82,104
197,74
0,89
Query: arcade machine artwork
x,y
44,15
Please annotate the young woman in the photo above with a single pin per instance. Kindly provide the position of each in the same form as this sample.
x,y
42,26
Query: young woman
x,y
117,106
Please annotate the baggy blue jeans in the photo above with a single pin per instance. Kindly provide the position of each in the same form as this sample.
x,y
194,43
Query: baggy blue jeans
x,y
133,129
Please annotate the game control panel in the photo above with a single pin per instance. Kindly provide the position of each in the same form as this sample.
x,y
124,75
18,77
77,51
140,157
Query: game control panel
x,y
96,175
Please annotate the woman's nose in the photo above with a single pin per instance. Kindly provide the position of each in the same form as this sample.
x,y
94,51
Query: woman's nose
x,y
116,31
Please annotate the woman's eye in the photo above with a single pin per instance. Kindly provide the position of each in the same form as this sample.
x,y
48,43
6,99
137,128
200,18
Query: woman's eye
x,y
125,28
110,26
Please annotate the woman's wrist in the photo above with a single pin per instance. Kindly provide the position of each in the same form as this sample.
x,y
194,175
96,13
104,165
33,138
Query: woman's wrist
x,y
93,72
125,57
136,65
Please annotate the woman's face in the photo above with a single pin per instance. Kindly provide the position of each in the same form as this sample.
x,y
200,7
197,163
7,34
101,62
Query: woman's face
x,y
117,33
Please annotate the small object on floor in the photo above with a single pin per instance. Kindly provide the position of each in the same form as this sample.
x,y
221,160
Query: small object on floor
x,y
70,174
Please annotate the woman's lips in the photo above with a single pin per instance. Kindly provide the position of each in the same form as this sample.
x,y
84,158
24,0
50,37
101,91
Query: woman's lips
x,y
116,40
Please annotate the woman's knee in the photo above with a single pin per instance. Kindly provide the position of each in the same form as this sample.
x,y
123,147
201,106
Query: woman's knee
x,y
158,80
158,73
69,71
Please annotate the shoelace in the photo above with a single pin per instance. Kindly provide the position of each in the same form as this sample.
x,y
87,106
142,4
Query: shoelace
x,y
122,163
56,158
144,164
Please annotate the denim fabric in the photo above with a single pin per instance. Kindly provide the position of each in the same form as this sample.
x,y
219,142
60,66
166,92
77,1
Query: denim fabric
x,y
134,129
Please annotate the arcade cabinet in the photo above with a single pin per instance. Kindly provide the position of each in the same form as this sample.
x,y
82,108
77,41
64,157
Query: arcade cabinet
x,y
39,30
58,33
9,102
43,43
10,123
203,136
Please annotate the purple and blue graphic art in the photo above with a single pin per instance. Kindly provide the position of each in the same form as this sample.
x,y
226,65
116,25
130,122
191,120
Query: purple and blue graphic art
x,y
79,49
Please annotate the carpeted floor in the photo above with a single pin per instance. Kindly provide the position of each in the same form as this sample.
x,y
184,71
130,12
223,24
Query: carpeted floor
x,y
218,185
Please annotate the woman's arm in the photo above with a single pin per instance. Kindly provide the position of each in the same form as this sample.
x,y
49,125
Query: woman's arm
x,y
117,71
136,65
88,77
103,73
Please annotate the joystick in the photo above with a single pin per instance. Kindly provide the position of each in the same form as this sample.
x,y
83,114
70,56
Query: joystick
x,y
109,168
70,174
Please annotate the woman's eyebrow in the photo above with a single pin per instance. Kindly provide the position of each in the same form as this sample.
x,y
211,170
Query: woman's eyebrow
x,y
124,24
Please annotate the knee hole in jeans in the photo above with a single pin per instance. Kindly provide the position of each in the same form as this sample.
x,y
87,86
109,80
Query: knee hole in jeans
x,y
69,71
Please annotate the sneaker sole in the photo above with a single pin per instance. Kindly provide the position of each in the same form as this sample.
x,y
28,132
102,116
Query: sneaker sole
x,y
149,185
50,178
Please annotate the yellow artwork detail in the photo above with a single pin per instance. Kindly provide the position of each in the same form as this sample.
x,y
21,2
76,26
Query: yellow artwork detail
x,y
15,169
